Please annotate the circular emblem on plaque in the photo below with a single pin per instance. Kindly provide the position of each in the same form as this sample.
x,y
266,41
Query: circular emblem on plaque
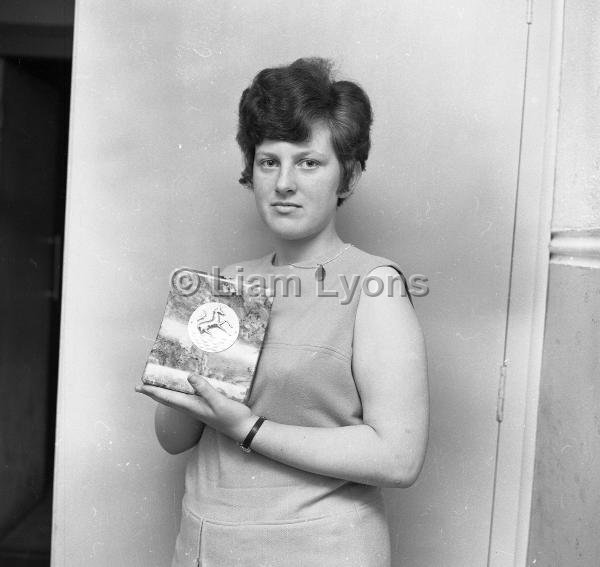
x,y
213,326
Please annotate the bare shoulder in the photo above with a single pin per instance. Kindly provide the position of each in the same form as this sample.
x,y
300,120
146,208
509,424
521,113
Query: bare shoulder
x,y
384,293
386,321
244,266
385,281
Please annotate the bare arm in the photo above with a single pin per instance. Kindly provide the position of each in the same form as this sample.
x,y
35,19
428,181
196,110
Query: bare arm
x,y
390,370
176,430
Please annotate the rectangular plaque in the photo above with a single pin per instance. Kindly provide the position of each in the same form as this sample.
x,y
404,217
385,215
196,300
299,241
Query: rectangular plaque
x,y
211,327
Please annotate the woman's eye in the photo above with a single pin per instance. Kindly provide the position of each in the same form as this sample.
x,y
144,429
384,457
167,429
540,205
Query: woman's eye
x,y
268,163
309,164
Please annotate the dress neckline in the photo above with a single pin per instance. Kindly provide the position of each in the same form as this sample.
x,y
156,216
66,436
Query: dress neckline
x,y
314,264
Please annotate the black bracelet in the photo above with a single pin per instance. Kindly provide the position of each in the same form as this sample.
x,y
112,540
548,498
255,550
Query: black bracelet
x,y
245,444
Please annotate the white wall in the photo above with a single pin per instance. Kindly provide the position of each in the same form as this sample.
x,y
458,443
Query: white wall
x,y
577,189
565,511
153,185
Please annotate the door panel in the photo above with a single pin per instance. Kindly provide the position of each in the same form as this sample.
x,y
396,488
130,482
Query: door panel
x,y
28,135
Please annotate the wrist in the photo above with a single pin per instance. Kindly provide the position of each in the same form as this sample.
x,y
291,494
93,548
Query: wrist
x,y
244,428
247,442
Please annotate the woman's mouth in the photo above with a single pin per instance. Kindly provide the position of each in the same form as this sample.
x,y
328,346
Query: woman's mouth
x,y
285,207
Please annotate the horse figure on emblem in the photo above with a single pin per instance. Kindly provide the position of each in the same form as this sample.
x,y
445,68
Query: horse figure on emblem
x,y
217,320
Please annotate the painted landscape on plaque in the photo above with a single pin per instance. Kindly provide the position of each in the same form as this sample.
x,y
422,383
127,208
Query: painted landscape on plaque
x,y
212,328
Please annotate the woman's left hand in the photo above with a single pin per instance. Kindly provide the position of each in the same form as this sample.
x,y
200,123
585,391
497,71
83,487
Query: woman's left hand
x,y
208,405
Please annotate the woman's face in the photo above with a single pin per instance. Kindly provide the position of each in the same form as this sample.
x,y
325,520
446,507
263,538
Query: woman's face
x,y
295,184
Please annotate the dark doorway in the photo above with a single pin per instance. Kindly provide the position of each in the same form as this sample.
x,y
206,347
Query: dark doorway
x,y
34,115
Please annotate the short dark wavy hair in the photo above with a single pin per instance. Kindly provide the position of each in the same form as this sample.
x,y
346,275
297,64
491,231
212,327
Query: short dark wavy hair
x,y
282,103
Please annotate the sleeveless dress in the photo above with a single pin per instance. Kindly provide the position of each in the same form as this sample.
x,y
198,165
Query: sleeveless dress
x,y
244,509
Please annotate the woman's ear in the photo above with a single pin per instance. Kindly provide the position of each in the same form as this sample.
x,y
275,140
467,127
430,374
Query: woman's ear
x,y
353,182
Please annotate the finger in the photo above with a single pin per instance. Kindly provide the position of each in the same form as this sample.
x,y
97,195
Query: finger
x,y
157,394
170,398
204,389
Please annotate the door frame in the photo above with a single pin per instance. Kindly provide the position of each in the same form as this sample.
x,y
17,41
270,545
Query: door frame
x,y
509,531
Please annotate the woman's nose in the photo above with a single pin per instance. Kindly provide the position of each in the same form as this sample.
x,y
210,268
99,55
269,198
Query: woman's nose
x,y
285,181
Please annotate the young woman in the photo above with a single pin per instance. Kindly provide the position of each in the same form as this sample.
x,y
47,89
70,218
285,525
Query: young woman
x,y
339,406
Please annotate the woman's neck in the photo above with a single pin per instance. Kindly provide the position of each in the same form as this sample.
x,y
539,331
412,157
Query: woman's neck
x,y
306,250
